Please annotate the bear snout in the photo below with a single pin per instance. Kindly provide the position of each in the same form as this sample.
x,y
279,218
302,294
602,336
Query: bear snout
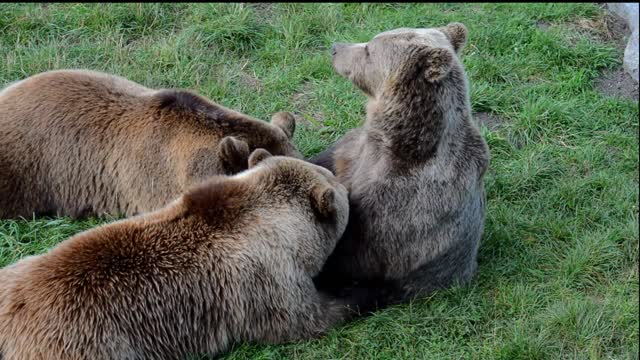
x,y
336,47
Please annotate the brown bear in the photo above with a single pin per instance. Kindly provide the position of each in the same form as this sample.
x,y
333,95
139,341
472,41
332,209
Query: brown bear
x,y
230,261
414,170
84,143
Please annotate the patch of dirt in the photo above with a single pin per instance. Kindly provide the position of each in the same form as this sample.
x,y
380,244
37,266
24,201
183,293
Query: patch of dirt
x,y
492,121
609,28
242,74
250,81
300,101
261,7
617,83
543,25
265,11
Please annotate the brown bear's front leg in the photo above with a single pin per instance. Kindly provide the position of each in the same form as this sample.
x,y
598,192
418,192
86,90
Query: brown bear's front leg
x,y
302,313
346,145
325,159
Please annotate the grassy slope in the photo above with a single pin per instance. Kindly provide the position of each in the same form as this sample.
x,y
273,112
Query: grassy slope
x,y
558,272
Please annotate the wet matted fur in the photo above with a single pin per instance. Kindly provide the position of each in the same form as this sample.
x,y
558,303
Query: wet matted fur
x,y
82,143
231,260
414,171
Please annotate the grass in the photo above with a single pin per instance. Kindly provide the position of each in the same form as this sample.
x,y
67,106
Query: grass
x,y
558,264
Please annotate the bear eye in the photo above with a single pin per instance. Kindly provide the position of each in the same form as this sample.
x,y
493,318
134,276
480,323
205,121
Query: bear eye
x,y
366,50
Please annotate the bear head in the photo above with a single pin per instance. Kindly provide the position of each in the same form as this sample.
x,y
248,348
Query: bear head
x,y
402,54
303,205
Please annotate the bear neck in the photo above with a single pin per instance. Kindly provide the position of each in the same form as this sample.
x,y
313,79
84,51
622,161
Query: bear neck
x,y
415,117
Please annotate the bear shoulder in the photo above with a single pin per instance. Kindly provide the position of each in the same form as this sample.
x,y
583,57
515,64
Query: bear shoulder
x,y
189,106
182,101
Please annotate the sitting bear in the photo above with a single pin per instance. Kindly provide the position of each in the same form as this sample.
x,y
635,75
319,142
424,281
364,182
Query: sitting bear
x,y
232,260
84,143
414,170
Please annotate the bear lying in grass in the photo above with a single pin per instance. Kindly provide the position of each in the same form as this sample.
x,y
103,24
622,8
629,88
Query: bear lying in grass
x,y
83,143
414,171
231,260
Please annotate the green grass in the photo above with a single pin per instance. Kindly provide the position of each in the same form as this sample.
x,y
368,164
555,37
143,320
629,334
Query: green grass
x,y
558,265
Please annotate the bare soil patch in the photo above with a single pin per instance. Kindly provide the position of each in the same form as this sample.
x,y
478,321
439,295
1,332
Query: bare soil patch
x,y
300,101
607,29
617,83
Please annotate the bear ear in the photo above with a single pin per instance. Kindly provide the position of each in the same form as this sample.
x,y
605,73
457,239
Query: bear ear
x,y
257,156
285,121
439,62
323,200
457,34
233,153
435,63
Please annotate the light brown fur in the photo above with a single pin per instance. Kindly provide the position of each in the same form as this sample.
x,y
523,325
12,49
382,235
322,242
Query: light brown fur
x,y
83,143
230,261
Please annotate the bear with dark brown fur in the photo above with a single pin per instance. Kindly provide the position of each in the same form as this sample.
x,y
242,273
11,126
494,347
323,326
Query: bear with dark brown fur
x,y
414,171
230,261
84,143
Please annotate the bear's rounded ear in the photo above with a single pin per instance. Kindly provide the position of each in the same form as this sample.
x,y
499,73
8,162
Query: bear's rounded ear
x,y
457,34
285,121
323,200
234,153
426,62
437,63
257,156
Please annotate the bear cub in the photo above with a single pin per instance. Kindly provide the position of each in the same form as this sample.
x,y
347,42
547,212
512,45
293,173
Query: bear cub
x,y
414,170
232,260
83,143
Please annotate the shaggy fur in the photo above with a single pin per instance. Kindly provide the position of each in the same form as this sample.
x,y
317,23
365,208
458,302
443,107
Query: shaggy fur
x,y
230,261
83,143
414,171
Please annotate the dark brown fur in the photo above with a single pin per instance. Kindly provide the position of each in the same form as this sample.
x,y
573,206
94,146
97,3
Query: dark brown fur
x,y
414,171
83,143
230,261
